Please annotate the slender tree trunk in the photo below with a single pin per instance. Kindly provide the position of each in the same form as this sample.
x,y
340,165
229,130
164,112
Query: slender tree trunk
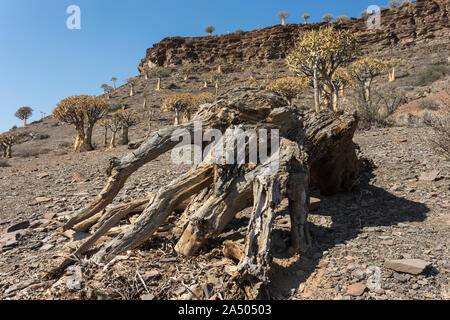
x,y
177,117
158,85
335,100
316,90
366,93
8,153
114,85
105,141
112,144
24,122
125,139
283,21
392,75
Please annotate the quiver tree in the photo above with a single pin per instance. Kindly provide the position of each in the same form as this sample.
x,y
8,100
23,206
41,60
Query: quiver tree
x,y
339,82
132,82
114,79
127,118
108,91
305,148
289,87
283,15
104,123
7,140
318,54
114,126
23,114
181,104
392,64
342,19
145,95
328,18
306,16
364,72
210,30
159,72
104,86
185,72
78,111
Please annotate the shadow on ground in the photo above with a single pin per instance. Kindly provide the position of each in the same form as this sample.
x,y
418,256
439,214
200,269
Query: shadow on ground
x,y
351,212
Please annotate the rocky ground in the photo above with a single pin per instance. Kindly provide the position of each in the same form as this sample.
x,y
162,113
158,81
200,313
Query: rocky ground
x,y
400,212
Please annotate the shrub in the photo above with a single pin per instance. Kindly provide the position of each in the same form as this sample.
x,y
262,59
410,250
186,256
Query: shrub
x,y
64,145
4,164
289,87
432,73
428,105
42,137
440,139
385,102
30,153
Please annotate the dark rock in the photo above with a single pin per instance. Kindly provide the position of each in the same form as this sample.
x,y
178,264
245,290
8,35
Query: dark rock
x,y
18,226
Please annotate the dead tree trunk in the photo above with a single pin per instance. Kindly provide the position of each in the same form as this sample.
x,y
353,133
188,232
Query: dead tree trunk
x,y
314,149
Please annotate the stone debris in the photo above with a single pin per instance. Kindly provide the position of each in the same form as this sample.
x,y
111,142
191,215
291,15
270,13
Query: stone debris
x,y
18,226
429,176
411,266
356,289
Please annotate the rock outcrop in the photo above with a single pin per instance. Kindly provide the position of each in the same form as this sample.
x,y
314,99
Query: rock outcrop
x,y
421,23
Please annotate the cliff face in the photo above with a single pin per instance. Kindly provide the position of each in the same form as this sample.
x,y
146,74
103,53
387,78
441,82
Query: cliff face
x,y
424,23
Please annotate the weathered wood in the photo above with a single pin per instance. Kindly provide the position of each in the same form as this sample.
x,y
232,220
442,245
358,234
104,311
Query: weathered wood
x,y
85,225
158,210
254,268
136,206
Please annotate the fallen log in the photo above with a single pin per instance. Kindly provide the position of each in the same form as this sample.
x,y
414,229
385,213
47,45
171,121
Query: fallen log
x,y
311,149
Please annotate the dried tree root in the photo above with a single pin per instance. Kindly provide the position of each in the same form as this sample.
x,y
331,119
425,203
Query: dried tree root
x,y
159,209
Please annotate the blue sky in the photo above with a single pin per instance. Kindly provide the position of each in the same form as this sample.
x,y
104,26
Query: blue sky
x,y
42,62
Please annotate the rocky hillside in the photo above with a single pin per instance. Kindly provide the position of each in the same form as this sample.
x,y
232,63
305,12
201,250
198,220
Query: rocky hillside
x,y
422,24
400,211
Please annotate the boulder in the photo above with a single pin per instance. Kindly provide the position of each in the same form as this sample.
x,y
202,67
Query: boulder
x,y
411,266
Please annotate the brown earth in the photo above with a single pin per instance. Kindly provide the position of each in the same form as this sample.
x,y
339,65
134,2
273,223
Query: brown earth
x,y
393,215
